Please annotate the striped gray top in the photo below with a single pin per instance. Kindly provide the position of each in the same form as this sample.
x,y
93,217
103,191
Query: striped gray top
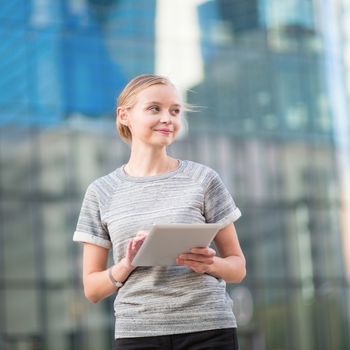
x,y
160,300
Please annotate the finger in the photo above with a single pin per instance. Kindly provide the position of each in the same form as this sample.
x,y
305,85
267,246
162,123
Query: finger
x,y
142,233
139,238
138,244
129,250
198,258
132,249
138,241
195,266
204,251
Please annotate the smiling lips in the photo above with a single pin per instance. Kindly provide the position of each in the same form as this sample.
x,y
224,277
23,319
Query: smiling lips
x,y
164,131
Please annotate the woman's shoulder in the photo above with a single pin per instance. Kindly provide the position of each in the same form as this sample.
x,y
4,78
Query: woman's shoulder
x,y
198,170
198,166
104,184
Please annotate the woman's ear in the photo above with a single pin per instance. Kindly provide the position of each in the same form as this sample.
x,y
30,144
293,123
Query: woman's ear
x,y
122,116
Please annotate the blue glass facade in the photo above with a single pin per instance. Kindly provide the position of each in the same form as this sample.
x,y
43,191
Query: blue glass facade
x,y
272,81
70,57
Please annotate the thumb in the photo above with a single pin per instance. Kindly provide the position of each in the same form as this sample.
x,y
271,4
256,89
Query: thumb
x,y
142,233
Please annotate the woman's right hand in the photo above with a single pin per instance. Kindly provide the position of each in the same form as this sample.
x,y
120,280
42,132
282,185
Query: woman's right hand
x,y
133,247
97,283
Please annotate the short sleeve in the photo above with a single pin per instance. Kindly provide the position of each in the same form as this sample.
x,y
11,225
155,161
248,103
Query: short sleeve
x,y
90,228
219,206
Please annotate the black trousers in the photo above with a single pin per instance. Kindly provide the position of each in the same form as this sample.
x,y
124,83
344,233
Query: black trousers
x,y
218,339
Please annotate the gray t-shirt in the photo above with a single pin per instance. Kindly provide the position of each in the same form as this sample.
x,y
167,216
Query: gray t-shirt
x,y
160,300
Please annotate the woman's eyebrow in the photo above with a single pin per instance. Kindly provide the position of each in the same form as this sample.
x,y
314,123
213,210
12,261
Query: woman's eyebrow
x,y
160,103
153,103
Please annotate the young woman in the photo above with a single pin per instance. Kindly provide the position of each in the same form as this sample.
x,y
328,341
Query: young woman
x,y
177,307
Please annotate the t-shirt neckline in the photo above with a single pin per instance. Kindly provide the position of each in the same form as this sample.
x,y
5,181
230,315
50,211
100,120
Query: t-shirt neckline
x,y
124,176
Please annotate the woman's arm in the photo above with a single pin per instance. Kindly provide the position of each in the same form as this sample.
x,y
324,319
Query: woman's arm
x,y
97,284
230,266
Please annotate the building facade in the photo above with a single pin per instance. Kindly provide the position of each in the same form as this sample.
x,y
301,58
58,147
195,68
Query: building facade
x,y
271,79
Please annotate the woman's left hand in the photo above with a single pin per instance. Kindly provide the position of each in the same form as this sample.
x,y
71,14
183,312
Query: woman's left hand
x,y
198,259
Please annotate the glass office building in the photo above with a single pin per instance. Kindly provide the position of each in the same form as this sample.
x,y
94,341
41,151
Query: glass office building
x,y
272,79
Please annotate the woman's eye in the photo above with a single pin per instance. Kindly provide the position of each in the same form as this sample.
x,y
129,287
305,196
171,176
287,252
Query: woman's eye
x,y
175,111
154,109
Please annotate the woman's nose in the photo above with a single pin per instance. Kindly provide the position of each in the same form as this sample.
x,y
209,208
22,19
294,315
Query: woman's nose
x,y
165,118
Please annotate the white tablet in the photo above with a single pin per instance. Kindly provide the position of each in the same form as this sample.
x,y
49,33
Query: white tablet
x,y
165,242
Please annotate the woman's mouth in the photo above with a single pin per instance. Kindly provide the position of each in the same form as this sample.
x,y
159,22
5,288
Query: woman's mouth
x,y
164,131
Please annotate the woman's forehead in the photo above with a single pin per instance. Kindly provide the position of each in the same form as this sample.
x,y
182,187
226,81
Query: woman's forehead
x,y
160,93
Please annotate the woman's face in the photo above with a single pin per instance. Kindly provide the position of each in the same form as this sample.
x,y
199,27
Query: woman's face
x,y
155,117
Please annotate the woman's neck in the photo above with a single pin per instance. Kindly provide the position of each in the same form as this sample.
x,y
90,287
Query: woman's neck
x,y
143,163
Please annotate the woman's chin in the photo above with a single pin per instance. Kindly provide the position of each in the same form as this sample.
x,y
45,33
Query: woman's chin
x,y
163,142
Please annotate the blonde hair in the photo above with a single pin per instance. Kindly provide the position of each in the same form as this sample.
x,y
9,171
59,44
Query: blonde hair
x,y
127,97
